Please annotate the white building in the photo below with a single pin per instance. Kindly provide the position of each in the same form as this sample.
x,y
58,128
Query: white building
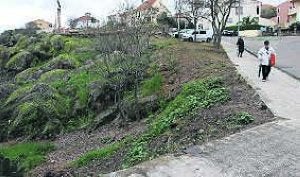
x,y
247,8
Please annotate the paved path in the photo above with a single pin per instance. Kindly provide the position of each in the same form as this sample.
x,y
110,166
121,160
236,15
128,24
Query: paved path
x,y
269,150
287,48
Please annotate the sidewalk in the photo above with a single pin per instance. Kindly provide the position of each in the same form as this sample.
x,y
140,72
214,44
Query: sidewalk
x,y
272,149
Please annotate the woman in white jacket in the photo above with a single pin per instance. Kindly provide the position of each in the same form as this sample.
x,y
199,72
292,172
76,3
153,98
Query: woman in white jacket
x,y
264,55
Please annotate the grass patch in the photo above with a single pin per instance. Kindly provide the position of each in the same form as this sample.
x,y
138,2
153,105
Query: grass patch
x,y
97,154
153,85
161,44
194,95
28,154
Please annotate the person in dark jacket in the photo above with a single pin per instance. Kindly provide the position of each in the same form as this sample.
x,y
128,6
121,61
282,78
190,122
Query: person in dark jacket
x,y
241,46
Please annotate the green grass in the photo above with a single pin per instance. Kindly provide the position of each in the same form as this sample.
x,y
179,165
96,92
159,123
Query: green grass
x,y
164,43
97,154
194,95
28,154
153,85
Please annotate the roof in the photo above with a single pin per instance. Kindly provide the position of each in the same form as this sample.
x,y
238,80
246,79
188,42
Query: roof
x,y
146,5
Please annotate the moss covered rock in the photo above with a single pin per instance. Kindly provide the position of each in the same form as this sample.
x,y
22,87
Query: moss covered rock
x,y
37,111
20,61
63,61
4,56
54,75
57,42
29,75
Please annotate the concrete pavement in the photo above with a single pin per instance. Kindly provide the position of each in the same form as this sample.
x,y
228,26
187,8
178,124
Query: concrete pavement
x,y
287,48
272,149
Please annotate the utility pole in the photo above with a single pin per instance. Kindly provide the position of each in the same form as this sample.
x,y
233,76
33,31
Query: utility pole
x,y
239,23
178,14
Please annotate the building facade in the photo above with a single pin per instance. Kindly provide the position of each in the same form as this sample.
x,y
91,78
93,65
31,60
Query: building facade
x,y
246,8
294,12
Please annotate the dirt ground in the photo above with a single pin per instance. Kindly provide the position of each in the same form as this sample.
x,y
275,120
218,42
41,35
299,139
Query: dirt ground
x,y
190,61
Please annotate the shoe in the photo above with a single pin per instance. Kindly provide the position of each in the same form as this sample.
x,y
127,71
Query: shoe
x,y
264,80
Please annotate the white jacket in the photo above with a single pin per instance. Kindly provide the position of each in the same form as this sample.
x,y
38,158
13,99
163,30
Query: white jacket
x,y
264,56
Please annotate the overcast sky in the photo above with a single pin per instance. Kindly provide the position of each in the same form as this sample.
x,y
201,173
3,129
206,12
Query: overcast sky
x,y
15,13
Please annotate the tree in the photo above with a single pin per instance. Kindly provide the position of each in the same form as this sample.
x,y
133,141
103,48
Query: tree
x,y
165,21
219,14
195,10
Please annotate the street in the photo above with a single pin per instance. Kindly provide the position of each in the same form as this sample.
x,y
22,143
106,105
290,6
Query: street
x,y
287,49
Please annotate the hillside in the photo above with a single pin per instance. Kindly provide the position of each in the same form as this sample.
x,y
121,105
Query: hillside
x,y
95,105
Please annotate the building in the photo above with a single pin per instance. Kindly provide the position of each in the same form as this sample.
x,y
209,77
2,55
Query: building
x,y
39,24
247,8
294,12
85,22
282,19
148,10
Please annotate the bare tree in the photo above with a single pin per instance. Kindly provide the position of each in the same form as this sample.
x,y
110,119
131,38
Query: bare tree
x,y
219,12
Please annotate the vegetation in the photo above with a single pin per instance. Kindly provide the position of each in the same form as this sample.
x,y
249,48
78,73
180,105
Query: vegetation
x,y
197,94
29,154
97,154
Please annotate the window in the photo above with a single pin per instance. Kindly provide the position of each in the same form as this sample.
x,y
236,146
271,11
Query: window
x,y
202,32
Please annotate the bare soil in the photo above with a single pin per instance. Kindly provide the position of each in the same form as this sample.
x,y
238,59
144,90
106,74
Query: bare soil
x,y
192,61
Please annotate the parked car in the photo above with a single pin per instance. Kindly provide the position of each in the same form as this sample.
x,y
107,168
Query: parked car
x,y
179,34
198,35
230,33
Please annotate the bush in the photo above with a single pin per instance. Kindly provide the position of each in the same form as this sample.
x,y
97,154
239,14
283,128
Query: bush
x,y
244,27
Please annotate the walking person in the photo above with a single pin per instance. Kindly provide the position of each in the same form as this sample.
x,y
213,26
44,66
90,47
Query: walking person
x,y
264,57
241,46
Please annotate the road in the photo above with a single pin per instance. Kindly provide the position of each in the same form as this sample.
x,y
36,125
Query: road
x,y
287,49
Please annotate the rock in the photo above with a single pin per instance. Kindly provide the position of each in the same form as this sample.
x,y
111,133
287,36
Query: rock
x,y
106,116
20,61
4,56
61,62
101,95
53,75
6,90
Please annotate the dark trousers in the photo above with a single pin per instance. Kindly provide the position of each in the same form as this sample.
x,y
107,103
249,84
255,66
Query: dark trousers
x,y
265,71
241,51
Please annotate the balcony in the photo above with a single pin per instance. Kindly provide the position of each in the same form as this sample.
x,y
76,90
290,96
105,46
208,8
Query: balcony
x,y
292,11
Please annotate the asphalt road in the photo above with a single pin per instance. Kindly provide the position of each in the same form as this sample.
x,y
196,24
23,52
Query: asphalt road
x,y
287,49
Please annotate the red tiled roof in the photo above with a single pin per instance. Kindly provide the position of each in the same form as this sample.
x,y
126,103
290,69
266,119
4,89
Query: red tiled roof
x,y
146,5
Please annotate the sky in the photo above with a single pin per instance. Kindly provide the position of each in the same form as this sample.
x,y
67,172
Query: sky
x,y
15,13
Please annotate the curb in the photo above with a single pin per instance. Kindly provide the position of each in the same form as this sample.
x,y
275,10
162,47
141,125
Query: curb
x,y
254,54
